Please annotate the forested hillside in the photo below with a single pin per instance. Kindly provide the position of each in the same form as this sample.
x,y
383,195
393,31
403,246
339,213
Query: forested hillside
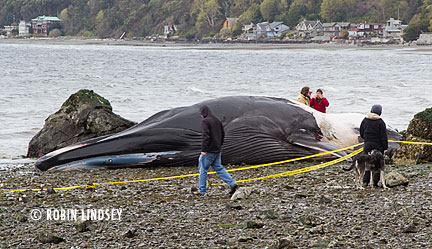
x,y
200,18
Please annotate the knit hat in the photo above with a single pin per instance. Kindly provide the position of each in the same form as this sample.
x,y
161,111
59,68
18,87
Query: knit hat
x,y
377,109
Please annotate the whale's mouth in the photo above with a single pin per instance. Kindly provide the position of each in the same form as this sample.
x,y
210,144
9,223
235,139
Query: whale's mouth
x,y
62,150
323,146
315,142
114,161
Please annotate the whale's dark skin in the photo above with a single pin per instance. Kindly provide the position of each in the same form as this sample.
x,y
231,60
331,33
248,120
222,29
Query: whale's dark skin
x,y
257,130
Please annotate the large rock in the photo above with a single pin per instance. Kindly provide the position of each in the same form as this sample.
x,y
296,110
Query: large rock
x,y
242,193
46,237
419,130
83,116
394,179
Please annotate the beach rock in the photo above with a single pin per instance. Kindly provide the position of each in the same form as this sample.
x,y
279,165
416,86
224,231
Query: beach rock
x,y
50,190
324,199
245,239
236,207
130,233
84,115
254,224
21,218
317,230
308,221
82,226
283,243
45,238
411,228
419,130
242,193
394,179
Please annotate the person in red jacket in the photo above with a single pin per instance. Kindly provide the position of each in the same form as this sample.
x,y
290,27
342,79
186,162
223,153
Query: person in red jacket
x,y
318,102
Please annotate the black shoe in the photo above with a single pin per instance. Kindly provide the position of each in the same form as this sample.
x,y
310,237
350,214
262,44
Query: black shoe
x,y
233,189
195,191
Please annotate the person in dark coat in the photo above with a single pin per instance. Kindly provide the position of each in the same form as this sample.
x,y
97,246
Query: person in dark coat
x,y
213,134
374,132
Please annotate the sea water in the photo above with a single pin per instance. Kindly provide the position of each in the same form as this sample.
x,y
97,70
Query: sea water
x,y
37,77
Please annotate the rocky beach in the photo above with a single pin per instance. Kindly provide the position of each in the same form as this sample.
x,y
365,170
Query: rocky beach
x,y
318,209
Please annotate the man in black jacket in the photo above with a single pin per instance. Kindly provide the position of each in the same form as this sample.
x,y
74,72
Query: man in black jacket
x,y
374,132
213,134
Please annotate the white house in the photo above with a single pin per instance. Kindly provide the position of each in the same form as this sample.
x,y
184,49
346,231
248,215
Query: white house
x,y
269,30
23,28
307,28
264,30
169,30
394,29
10,30
425,39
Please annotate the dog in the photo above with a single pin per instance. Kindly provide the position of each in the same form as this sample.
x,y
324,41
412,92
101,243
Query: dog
x,y
373,162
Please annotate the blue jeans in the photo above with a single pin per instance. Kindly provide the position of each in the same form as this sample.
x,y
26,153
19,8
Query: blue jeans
x,y
214,160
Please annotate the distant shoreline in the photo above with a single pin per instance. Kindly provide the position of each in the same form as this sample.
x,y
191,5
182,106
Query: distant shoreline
x,y
210,44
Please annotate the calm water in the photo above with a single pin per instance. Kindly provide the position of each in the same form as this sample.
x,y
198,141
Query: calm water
x,y
37,77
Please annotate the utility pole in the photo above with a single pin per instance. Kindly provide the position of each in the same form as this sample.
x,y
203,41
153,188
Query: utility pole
x,y
398,12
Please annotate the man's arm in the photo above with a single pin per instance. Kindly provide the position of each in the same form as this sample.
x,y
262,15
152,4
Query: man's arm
x,y
205,134
222,134
325,102
384,139
362,129
312,102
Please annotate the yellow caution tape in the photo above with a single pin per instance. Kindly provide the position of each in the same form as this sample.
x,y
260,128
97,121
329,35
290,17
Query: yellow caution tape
x,y
304,170
409,142
237,169
294,159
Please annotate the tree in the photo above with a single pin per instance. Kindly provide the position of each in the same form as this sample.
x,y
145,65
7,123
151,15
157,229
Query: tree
x,y
297,11
210,18
337,10
76,17
395,9
251,15
413,31
269,9
55,33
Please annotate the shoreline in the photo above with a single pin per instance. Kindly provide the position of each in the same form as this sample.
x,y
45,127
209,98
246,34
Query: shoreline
x,y
212,45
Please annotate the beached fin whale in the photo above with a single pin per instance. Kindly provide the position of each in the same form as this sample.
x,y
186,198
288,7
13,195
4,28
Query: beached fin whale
x,y
257,130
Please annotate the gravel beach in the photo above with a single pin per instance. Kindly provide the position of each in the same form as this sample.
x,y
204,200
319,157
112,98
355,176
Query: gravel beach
x,y
320,209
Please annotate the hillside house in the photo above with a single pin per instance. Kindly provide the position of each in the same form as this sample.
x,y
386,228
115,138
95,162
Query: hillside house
x,y
394,29
424,39
363,30
248,32
11,30
24,28
270,30
334,29
169,30
264,30
41,24
308,29
228,23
